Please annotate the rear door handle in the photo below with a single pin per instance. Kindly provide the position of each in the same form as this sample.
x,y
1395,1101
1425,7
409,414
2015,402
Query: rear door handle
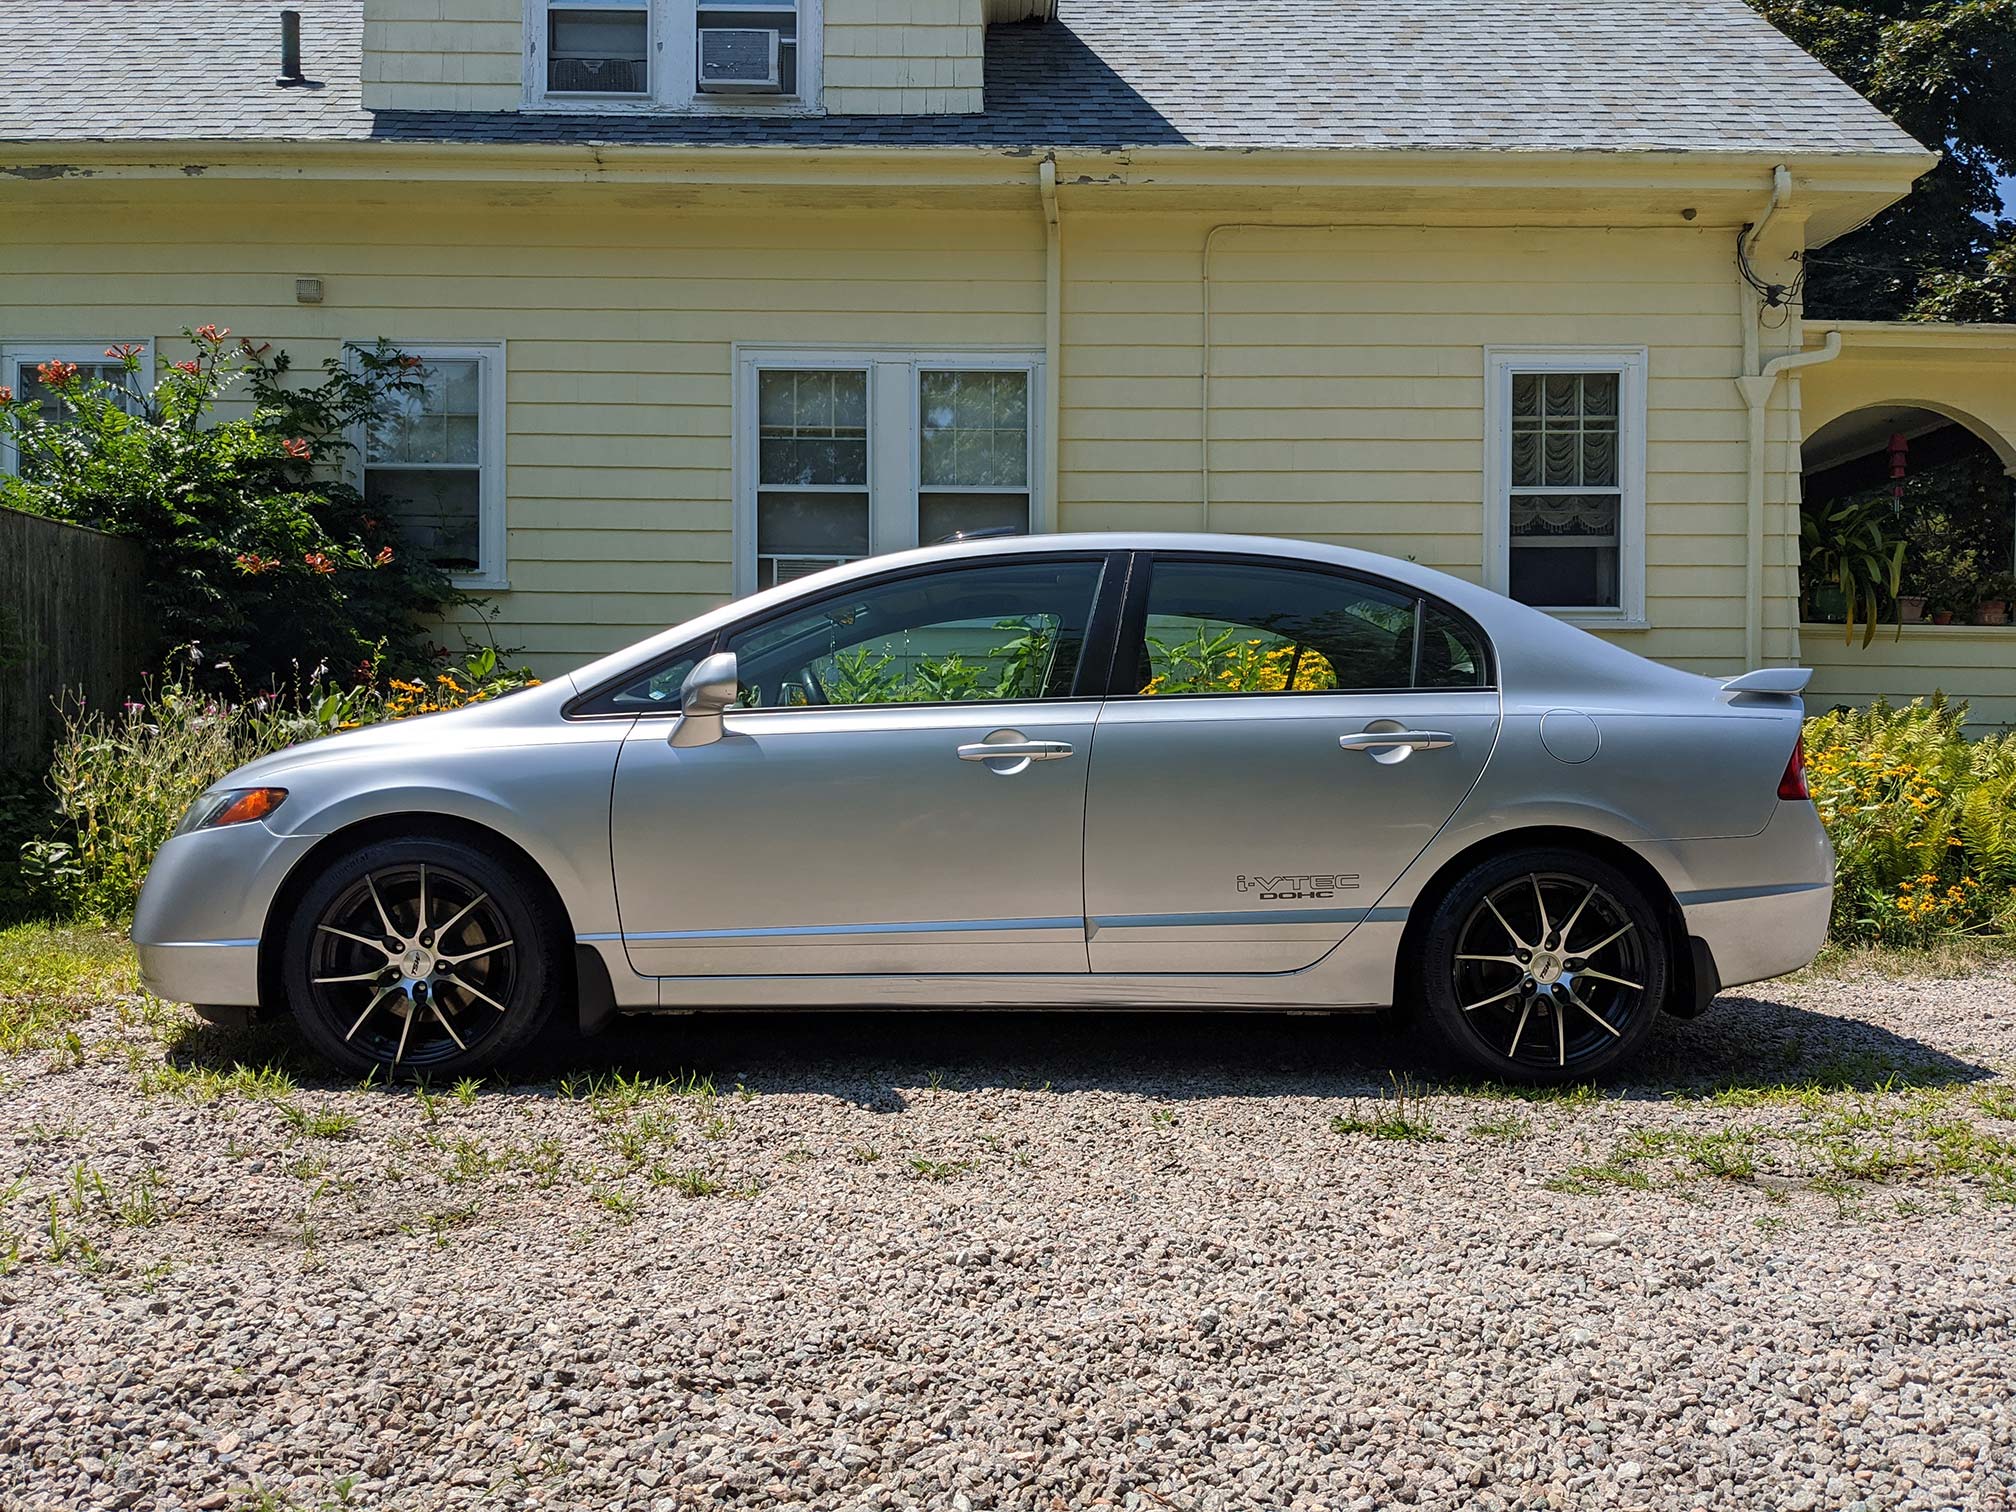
x,y
1016,750
1388,740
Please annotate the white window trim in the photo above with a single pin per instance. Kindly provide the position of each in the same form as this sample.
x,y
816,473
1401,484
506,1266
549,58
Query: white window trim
x,y
673,62
1631,365
491,575
895,436
15,355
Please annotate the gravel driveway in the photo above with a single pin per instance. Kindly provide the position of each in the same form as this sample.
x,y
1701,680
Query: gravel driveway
x,y
1028,1262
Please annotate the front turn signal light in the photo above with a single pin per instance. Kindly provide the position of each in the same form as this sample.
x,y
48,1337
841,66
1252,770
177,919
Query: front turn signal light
x,y
231,806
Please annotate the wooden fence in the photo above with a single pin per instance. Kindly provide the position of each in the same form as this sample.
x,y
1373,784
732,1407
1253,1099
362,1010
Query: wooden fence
x,y
70,624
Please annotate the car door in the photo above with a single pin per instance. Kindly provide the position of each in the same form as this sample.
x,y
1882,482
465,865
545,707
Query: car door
x,y
1285,743
853,817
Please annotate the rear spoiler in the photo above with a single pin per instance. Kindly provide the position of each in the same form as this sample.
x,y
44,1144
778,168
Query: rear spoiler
x,y
1790,681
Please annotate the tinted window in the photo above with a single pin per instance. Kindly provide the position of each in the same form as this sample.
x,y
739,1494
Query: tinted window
x,y
655,692
983,633
1230,627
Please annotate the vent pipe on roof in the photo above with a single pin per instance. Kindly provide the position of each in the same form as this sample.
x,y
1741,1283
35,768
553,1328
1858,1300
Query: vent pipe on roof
x,y
290,50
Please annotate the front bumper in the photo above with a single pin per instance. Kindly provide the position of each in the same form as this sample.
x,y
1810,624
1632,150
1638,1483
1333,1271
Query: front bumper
x,y
203,908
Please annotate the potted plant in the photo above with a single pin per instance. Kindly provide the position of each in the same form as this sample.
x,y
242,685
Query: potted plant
x,y
1910,608
1991,607
1847,546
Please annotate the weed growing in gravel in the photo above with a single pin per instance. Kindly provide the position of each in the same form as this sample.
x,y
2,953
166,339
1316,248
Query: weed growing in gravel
x,y
439,1226
1509,1127
1997,1100
612,1095
322,1124
938,1170
208,1084
466,1090
862,1155
1569,1096
1163,1118
1398,1114
689,1183
619,1203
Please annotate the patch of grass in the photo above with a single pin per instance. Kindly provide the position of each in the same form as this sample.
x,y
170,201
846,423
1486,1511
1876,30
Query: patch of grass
x,y
938,1170
1398,1114
440,1226
612,1096
51,978
1163,1118
1997,1100
322,1123
610,1200
1508,1127
1948,956
688,1183
1619,1171
862,1155
209,1084
1565,1095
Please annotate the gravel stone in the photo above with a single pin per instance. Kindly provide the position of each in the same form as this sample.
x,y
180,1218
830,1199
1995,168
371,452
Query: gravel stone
x,y
1028,1262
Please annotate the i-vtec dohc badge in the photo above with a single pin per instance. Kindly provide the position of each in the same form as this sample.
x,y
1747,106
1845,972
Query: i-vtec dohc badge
x,y
1314,885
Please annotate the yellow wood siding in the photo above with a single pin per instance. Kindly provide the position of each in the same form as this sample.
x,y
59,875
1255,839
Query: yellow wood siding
x,y
903,57
896,57
1348,391
1974,662
443,54
1347,388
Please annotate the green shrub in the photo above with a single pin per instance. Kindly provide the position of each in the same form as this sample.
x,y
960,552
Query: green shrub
x,y
1923,822
256,548
123,781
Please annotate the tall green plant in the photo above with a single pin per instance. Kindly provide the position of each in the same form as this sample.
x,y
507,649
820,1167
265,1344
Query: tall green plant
x,y
1849,546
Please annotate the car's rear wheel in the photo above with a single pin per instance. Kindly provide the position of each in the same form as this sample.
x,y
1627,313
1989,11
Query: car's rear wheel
x,y
1544,965
424,956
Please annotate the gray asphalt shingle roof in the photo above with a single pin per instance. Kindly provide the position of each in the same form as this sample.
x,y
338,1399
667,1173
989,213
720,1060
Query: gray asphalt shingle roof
x,y
1471,75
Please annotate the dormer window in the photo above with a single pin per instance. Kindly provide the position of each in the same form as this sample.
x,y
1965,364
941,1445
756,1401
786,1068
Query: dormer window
x,y
599,48
685,55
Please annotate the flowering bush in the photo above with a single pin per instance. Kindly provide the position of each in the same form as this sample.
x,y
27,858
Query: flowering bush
x,y
123,781
1923,822
256,547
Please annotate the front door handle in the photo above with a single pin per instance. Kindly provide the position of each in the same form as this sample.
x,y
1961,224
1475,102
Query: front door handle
x,y
1016,750
1397,740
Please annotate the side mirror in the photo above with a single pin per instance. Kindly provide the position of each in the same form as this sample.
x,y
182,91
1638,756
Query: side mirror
x,y
710,690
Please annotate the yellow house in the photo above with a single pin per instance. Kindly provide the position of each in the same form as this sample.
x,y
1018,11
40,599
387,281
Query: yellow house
x,y
713,294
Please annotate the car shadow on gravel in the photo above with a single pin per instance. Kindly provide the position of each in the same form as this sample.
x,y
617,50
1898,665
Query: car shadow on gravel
x,y
875,1059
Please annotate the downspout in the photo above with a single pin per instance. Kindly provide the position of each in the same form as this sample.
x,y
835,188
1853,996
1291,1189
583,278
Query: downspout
x,y
1053,337
1756,390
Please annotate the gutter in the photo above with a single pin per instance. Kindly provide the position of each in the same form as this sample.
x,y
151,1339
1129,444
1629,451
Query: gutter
x,y
1053,337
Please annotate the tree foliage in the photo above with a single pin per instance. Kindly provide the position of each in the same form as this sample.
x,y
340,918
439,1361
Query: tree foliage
x,y
1945,71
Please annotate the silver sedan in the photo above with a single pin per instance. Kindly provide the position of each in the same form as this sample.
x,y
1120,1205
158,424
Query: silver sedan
x,y
1088,771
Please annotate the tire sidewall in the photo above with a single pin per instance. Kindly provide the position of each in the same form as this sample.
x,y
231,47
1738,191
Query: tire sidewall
x,y
1438,991
517,900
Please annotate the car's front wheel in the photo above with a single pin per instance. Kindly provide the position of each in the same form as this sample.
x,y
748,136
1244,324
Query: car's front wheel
x,y
1544,965
426,956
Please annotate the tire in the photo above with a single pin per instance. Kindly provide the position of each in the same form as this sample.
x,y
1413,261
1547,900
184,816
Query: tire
x,y
449,1000
1487,1002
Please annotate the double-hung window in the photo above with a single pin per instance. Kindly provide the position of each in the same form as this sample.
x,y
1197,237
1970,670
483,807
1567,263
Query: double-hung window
x,y
433,459
1565,481
843,455
692,55
20,370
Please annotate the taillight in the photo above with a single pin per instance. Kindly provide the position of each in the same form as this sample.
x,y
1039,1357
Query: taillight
x,y
1793,784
